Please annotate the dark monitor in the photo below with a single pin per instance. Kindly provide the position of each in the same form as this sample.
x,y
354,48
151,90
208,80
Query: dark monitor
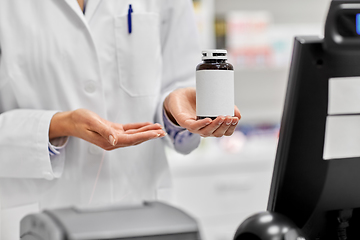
x,y
322,197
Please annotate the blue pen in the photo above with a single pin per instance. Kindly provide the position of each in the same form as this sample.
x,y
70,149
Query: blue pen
x,y
129,19
358,23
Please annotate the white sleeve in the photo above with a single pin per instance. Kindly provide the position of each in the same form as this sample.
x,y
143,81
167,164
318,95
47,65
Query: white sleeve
x,y
24,138
184,141
56,145
180,51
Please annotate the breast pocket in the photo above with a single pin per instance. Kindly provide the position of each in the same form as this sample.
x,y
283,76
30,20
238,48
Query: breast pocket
x,y
139,54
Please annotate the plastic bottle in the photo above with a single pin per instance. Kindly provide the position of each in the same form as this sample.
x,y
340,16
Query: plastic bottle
x,y
214,85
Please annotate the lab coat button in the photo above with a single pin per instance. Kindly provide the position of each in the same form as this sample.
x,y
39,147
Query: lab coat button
x,y
90,86
48,176
95,150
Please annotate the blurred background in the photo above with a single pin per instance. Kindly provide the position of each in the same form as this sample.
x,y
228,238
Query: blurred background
x,y
226,180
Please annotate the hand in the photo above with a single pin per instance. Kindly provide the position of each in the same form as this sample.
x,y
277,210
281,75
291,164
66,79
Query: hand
x,y
180,106
89,126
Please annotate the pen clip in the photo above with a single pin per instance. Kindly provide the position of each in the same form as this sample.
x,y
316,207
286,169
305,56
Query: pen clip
x,y
129,19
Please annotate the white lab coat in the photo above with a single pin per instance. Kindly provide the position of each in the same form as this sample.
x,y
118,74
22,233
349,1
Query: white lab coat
x,y
53,58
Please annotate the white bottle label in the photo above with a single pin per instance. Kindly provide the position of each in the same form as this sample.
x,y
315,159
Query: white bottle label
x,y
214,93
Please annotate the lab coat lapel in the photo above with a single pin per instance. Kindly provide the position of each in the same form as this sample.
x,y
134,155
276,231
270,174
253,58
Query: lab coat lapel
x,y
91,7
75,7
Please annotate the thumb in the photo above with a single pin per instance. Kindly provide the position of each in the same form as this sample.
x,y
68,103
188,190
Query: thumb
x,y
111,136
112,140
106,131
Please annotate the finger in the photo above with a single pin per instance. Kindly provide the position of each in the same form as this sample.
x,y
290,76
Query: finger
x,y
145,128
196,125
104,129
110,139
208,130
232,127
124,140
133,139
220,131
237,112
159,135
97,139
136,125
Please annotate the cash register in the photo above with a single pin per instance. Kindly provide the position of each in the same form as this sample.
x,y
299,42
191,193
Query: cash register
x,y
136,221
315,189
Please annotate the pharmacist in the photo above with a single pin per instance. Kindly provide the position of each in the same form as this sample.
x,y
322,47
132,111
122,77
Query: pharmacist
x,y
78,79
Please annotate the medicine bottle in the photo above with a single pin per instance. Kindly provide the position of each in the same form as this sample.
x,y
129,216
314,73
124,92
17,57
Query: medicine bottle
x,y
214,85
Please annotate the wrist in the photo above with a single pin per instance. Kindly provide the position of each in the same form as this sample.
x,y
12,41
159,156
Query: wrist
x,y
60,125
167,111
